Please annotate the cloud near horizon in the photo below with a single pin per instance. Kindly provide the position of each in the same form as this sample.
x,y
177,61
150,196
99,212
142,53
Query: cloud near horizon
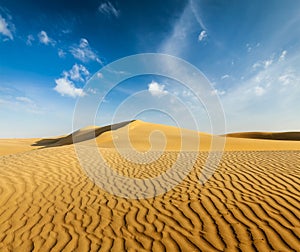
x,y
16,103
269,94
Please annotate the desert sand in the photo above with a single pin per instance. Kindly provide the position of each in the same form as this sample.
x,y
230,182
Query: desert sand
x,y
251,203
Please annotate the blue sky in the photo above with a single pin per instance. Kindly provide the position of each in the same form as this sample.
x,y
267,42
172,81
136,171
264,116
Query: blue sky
x,y
248,50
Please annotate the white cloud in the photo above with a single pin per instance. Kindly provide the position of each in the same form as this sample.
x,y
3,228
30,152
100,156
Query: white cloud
x,y
256,65
20,103
225,76
100,75
267,63
284,79
259,91
185,93
83,43
45,39
288,78
29,40
66,87
24,99
283,55
84,52
249,48
61,53
78,73
202,35
6,29
278,85
108,9
92,91
156,89
66,31
197,13
259,99
218,92
183,29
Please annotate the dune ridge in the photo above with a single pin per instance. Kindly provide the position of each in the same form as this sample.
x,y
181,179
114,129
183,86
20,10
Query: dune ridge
x,y
141,139
290,136
251,203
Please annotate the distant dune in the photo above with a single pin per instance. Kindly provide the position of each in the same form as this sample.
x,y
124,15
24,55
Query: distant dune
x,y
251,203
290,136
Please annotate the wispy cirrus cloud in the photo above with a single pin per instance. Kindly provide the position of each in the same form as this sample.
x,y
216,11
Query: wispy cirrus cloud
x,y
18,103
184,29
24,99
84,52
177,40
195,8
108,9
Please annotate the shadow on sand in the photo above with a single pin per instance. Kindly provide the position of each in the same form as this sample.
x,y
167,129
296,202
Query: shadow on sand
x,y
79,135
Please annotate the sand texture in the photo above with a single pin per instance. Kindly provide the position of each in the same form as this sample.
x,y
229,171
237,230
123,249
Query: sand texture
x,y
251,203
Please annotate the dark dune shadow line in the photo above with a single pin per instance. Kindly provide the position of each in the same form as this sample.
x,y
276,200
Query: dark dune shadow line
x,y
288,136
78,136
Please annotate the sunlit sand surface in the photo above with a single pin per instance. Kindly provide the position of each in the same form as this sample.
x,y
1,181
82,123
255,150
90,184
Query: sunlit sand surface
x,y
251,203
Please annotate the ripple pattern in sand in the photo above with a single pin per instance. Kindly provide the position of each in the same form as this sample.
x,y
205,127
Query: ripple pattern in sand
x,y
251,203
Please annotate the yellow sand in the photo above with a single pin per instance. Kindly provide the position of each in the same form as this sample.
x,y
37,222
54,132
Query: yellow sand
x,y
12,146
250,203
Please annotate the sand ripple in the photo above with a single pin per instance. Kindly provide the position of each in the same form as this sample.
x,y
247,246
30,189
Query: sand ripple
x,y
251,203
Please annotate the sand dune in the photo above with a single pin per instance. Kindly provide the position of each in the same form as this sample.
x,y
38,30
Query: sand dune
x,y
141,138
251,203
290,136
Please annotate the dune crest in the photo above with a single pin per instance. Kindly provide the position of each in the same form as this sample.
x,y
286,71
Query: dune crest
x,y
289,136
144,134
